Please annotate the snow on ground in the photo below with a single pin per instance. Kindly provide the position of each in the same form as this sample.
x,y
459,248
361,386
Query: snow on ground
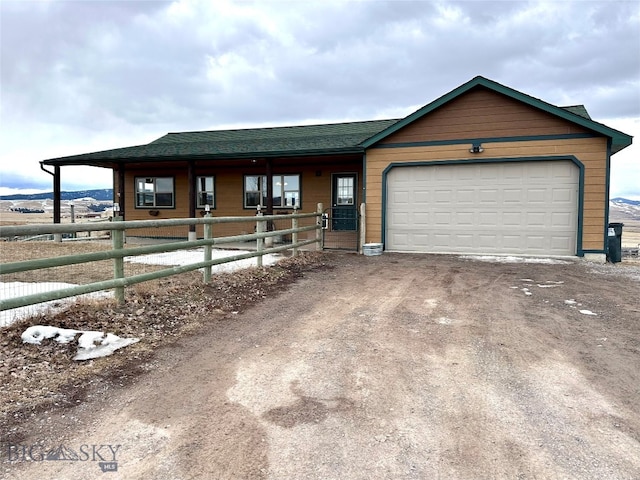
x,y
91,344
512,259
186,257
18,289
183,257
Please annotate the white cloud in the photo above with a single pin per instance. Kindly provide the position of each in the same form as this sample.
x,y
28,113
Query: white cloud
x,y
106,74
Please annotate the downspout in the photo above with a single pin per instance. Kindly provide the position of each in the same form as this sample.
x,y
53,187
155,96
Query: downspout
x,y
56,191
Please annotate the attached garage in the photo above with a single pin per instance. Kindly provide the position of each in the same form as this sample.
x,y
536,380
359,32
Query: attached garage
x,y
516,207
486,169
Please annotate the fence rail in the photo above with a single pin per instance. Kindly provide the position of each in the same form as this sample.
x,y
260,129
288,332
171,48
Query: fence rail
x,y
117,253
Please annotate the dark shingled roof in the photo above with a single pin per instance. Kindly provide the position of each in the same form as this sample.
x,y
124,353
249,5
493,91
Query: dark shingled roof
x,y
578,110
242,143
308,140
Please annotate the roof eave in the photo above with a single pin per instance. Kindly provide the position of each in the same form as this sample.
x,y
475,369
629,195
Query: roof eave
x,y
112,162
619,138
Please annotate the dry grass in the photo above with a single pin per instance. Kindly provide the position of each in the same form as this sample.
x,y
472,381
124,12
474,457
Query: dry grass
x,y
33,378
79,274
631,233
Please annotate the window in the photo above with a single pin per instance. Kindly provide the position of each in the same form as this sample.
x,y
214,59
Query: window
x,y
345,191
255,190
205,191
286,191
154,192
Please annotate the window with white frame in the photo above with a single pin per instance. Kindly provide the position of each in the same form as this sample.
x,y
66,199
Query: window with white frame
x,y
205,188
154,192
286,191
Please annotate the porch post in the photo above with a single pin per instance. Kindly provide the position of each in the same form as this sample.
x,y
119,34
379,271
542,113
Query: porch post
x,y
269,175
191,180
120,193
56,194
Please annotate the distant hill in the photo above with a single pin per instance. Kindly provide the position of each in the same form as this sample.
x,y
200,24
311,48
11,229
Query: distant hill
x,y
626,200
103,194
624,210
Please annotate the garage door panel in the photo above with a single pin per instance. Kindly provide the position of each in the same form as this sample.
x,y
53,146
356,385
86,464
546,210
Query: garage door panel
x,y
466,196
487,219
442,219
562,195
513,207
464,218
536,219
562,220
420,196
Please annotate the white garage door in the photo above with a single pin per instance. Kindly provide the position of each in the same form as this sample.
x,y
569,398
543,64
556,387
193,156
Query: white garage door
x,y
528,208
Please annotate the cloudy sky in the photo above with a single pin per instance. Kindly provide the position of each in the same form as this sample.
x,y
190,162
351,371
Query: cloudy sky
x,y
85,75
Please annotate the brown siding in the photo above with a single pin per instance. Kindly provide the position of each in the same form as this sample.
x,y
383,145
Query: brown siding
x,y
482,113
229,185
590,151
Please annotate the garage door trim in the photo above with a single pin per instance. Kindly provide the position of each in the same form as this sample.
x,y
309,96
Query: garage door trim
x,y
570,158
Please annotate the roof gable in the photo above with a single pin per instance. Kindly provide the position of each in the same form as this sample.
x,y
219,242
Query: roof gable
x,y
575,114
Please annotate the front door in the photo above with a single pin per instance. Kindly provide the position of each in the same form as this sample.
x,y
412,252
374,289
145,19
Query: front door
x,y
344,209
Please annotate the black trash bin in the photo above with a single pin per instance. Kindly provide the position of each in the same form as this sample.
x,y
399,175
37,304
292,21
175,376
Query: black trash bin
x,y
614,242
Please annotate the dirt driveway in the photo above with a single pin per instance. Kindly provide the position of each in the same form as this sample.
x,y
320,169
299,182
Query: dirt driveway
x,y
390,367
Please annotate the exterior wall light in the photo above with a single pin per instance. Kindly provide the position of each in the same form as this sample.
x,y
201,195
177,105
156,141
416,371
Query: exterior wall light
x,y
476,148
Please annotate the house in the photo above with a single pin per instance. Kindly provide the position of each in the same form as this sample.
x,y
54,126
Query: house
x,y
482,169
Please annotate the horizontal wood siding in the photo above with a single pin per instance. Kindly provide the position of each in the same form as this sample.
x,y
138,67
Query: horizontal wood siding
x,y
590,151
482,113
229,190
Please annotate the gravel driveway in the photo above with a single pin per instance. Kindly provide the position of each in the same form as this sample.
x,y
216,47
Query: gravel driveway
x,y
389,367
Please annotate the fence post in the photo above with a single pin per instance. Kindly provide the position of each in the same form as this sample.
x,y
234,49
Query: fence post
x,y
207,248
117,238
259,241
294,235
319,211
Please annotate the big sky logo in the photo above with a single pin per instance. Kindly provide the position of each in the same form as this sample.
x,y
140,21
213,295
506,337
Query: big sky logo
x,y
105,455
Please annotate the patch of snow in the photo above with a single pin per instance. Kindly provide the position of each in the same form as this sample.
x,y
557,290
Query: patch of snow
x,y
548,286
513,259
99,344
570,302
526,291
186,257
587,312
526,280
37,333
91,344
18,289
